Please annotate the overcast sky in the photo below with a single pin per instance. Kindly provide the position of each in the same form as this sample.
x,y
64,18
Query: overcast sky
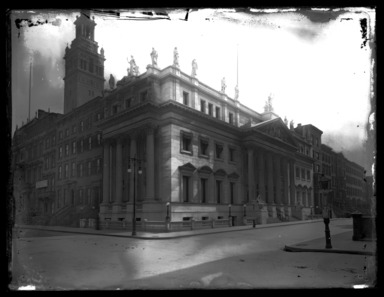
x,y
316,65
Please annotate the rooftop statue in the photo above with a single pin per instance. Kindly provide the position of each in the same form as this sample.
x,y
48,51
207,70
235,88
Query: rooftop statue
x,y
132,68
237,92
154,56
111,82
194,67
223,85
176,58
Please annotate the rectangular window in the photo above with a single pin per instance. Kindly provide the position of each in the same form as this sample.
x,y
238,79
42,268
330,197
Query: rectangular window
x,y
185,189
89,167
81,146
81,196
297,172
128,102
73,173
210,109
60,135
308,175
231,154
219,151
98,165
302,173
186,142
60,173
66,171
202,106
218,191
81,170
74,147
66,132
91,65
203,190
60,152
114,109
67,149
232,192
98,139
143,96
217,112
74,129
185,98
203,147
231,118
90,142
46,163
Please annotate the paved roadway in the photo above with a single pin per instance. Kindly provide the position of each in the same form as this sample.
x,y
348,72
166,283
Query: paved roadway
x,y
242,259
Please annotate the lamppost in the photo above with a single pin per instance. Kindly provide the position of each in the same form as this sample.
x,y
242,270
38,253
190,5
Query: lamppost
x,y
167,217
324,186
134,160
229,214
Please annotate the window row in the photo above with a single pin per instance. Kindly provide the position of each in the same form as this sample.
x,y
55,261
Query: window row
x,y
302,173
80,146
205,189
209,108
86,196
204,147
80,169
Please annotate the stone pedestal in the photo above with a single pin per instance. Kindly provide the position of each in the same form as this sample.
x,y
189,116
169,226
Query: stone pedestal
x,y
262,214
287,211
272,211
116,208
280,213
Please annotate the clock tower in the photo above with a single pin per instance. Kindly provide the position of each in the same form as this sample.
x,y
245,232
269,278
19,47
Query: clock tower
x,y
84,66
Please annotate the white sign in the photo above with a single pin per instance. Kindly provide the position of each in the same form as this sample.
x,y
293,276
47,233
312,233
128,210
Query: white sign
x,y
193,208
42,184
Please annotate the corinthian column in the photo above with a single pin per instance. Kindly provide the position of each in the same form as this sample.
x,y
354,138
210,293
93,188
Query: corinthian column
x,y
132,154
119,163
106,173
150,164
251,178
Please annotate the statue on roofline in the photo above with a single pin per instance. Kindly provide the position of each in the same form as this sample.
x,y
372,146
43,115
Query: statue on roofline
x,y
194,67
154,56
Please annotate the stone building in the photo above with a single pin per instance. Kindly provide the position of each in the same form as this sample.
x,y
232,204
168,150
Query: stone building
x,y
164,142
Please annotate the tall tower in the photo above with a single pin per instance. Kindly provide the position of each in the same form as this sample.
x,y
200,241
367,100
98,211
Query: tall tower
x,y
84,66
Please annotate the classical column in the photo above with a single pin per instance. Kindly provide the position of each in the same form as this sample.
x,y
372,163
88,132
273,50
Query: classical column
x,y
270,199
261,174
277,175
150,188
132,154
119,177
251,178
292,182
285,181
106,173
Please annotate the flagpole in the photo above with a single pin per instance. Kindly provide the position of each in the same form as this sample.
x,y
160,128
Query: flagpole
x,y
30,75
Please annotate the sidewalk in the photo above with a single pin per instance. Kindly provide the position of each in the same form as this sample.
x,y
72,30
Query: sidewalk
x,y
341,243
150,235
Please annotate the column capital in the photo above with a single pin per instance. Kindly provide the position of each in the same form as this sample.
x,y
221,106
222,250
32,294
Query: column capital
x,y
149,128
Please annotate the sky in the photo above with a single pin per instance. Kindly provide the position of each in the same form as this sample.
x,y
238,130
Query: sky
x,y
317,65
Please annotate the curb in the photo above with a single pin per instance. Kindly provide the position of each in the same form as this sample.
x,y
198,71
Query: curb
x,y
296,249
239,228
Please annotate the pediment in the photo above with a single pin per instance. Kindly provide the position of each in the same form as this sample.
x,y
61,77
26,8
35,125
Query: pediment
x,y
233,175
205,169
188,167
220,172
277,129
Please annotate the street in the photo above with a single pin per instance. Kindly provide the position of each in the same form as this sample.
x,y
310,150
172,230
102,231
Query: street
x,y
243,259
